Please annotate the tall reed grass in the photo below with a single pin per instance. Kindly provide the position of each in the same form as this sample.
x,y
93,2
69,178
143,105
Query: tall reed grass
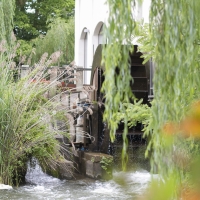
x,y
25,117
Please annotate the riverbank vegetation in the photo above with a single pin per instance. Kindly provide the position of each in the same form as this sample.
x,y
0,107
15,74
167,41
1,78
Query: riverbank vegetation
x,y
172,39
26,115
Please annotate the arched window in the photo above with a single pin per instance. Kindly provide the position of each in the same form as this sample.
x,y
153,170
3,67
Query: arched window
x,y
85,48
98,36
83,53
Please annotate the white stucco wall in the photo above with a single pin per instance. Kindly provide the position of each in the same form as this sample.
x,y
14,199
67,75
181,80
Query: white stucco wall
x,y
90,15
145,10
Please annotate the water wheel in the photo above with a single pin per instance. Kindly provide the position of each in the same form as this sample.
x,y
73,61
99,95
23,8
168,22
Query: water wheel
x,y
99,128
140,88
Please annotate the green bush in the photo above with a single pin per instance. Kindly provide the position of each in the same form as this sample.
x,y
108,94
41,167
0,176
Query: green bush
x,y
25,118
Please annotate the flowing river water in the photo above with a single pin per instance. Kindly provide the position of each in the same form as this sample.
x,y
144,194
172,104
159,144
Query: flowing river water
x,y
40,186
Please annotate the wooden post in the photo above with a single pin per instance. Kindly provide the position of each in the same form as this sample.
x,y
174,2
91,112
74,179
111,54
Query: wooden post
x,y
24,70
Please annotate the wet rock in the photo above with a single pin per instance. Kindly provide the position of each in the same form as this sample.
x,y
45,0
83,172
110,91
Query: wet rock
x,y
62,170
65,169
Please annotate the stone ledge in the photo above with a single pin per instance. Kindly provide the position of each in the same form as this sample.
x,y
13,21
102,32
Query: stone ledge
x,y
95,156
93,169
93,165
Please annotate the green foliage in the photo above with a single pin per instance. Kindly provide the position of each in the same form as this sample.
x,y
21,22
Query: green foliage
x,y
25,50
176,54
25,114
60,37
143,36
33,17
135,113
6,19
115,58
160,189
106,164
23,27
121,27
172,40
44,26
25,120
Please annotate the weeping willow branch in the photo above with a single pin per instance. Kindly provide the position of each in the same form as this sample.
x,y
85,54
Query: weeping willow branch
x,y
116,86
115,58
6,18
174,26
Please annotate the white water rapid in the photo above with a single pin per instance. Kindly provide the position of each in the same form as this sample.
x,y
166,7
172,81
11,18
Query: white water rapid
x,y
40,186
